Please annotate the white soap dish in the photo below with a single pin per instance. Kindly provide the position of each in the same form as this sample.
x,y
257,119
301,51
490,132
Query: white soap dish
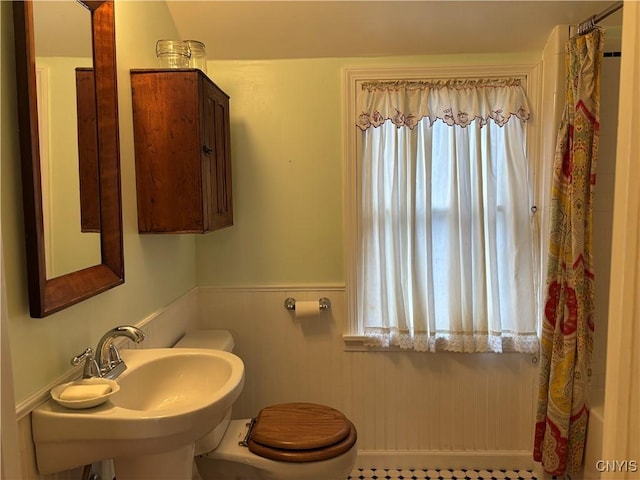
x,y
84,393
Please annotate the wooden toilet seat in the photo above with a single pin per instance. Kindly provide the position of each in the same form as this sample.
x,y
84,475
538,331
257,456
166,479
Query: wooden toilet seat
x,y
301,432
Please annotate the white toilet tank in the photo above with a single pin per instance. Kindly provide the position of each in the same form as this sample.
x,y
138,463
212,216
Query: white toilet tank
x,y
213,340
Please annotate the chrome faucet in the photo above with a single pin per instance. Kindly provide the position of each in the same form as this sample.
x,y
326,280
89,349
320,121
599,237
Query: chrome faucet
x,y
110,365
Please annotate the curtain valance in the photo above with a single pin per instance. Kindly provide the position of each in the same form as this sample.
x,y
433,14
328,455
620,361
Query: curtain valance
x,y
455,102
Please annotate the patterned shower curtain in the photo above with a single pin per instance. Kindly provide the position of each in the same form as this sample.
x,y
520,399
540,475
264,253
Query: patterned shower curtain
x,y
567,328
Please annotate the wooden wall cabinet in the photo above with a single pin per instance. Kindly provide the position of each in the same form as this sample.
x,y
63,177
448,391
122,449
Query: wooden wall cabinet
x,y
88,162
182,150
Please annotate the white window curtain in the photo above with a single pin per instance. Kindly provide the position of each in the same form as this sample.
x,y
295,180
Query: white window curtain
x,y
446,243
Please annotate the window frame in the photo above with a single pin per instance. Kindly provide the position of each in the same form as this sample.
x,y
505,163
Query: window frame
x,y
353,335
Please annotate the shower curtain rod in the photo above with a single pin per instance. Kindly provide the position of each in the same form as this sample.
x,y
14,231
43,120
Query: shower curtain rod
x,y
590,23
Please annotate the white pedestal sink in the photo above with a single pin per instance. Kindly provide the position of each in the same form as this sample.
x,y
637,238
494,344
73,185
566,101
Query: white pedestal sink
x,y
168,399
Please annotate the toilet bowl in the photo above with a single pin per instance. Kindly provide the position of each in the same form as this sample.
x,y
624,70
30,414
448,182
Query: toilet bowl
x,y
288,441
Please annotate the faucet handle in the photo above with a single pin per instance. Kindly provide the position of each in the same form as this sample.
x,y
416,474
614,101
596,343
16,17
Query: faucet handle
x,y
91,368
114,356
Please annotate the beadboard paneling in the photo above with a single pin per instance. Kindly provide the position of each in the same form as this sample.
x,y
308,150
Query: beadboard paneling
x,y
413,404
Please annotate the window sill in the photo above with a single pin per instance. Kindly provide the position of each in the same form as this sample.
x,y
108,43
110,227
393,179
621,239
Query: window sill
x,y
356,343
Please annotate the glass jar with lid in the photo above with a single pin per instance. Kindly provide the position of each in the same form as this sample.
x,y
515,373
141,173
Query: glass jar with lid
x,y
173,53
198,55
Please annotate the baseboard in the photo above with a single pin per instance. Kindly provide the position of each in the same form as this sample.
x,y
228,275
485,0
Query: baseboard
x,y
439,459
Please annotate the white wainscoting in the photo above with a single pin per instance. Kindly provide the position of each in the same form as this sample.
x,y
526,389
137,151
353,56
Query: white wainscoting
x,y
411,409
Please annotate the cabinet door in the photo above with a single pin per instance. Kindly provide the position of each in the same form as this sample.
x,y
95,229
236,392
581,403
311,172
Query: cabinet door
x,y
217,149
166,110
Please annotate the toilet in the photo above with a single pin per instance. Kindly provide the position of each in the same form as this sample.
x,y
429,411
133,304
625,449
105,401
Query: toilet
x,y
289,441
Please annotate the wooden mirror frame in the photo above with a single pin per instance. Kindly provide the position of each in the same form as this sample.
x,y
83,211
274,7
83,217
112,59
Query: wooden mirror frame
x,y
49,295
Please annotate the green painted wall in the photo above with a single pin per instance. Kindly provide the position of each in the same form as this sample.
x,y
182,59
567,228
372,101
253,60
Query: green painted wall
x,y
287,175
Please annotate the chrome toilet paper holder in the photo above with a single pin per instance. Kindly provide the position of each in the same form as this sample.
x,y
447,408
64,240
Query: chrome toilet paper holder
x,y
323,303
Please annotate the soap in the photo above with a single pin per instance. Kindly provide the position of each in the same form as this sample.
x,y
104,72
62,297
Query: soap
x,y
85,392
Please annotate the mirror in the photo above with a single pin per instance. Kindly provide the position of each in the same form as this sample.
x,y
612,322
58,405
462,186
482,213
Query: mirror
x,y
67,135
52,293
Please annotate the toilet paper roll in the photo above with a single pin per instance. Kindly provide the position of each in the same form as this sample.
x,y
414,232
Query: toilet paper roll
x,y
307,309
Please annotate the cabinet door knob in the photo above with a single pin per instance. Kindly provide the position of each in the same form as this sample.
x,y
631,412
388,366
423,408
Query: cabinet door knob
x,y
207,149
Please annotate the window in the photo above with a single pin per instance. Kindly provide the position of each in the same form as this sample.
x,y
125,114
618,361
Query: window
x,y
442,247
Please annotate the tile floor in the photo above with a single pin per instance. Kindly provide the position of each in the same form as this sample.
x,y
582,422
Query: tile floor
x,y
438,474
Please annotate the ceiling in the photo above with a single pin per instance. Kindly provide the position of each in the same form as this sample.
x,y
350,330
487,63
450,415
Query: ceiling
x,y
244,29
266,29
